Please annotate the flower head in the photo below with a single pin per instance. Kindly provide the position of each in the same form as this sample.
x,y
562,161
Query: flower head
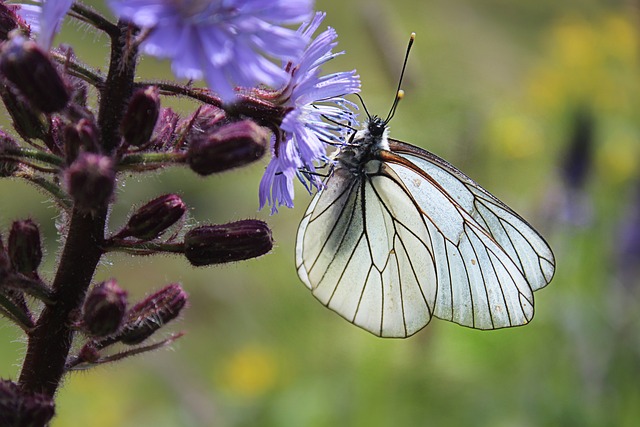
x,y
304,133
45,20
226,42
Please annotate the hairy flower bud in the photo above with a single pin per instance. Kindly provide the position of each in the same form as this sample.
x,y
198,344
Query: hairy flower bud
x,y
215,244
152,219
89,353
30,70
104,309
79,137
10,20
141,116
24,246
21,408
152,313
29,124
90,181
229,146
7,166
165,130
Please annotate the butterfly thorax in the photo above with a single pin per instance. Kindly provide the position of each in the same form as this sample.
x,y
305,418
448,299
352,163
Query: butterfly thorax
x,y
359,155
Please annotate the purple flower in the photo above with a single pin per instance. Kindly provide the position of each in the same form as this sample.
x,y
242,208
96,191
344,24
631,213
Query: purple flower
x,y
226,42
45,20
310,98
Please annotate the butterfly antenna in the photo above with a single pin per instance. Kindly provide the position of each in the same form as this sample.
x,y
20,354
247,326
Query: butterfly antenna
x,y
363,105
400,93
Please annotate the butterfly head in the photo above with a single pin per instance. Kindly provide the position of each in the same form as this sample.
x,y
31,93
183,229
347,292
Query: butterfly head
x,y
376,127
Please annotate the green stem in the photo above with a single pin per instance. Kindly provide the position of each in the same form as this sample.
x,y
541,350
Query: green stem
x,y
198,94
79,70
90,16
52,188
138,248
20,153
10,310
143,161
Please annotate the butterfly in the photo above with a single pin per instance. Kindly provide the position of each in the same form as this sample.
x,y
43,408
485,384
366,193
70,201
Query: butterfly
x,y
397,236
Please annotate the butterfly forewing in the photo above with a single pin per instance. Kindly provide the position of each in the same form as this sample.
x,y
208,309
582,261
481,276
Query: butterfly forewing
x,y
516,237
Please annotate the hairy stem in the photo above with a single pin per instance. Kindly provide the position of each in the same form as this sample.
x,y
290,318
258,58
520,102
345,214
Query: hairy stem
x,y
118,87
52,336
51,339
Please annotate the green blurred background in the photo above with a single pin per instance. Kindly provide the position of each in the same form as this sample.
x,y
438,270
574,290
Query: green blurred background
x,y
494,87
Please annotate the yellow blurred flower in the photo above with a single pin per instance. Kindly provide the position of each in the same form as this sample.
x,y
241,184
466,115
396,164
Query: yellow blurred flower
x,y
250,372
514,135
92,399
589,63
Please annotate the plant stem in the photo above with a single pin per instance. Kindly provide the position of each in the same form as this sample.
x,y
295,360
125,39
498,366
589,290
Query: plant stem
x,y
118,87
51,339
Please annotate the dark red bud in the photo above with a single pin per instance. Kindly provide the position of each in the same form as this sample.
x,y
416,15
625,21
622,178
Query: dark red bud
x,y
215,244
30,70
90,181
21,408
89,353
7,166
104,309
29,123
152,313
10,20
165,131
152,219
24,246
141,116
229,146
80,137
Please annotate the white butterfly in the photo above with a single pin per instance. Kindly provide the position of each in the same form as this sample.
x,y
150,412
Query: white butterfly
x,y
398,236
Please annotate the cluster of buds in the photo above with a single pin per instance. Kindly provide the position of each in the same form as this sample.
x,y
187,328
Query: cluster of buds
x,y
106,320
76,152
48,103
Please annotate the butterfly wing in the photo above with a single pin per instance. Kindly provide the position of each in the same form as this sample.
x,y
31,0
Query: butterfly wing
x,y
520,240
362,260
478,285
417,238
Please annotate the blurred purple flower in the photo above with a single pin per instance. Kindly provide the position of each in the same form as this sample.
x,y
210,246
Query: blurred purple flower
x,y
45,20
310,98
225,42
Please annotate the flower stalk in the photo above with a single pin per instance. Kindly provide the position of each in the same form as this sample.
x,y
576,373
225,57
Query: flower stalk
x,y
76,152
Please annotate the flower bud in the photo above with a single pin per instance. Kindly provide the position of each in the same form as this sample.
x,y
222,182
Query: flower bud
x,y
141,116
229,146
104,309
89,353
165,131
152,219
29,124
79,137
152,313
21,408
7,166
10,20
90,181
30,70
24,246
215,244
